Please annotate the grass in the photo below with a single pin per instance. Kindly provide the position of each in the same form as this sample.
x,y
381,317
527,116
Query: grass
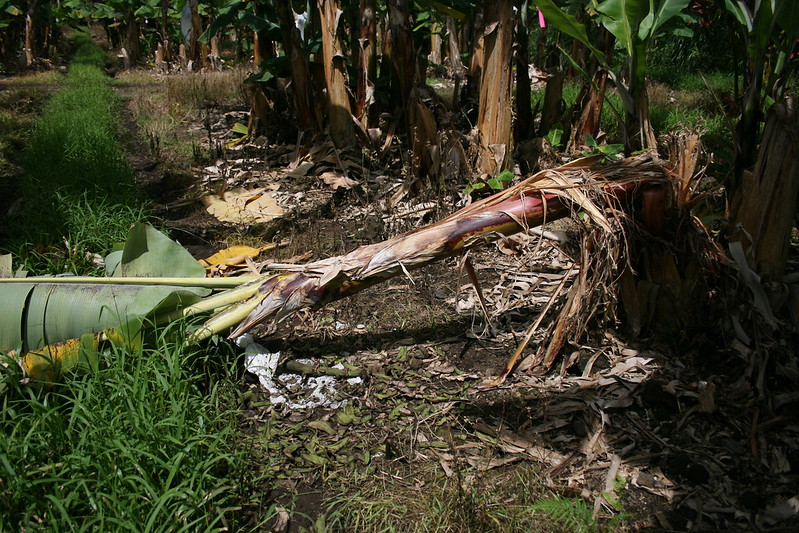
x,y
207,89
48,77
694,81
713,126
179,99
695,102
689,103
426,500
150,440
73,147
77,185
91,227
147,443
190,91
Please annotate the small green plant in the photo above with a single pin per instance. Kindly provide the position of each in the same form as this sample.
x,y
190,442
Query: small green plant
x,y
555,136
614,497
496,183
575,515
608,150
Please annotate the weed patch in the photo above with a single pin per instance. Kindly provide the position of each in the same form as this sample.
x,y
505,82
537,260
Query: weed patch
x,y
207,89
180,99
48,77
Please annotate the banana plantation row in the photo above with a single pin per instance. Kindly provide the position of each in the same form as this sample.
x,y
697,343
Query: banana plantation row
x,y
358,72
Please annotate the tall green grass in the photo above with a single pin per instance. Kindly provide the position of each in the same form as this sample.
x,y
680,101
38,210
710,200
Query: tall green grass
x,y
74,146
75,163
148,443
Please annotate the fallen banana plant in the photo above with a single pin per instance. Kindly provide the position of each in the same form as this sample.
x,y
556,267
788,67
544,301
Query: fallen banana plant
x,y
584,184
587,185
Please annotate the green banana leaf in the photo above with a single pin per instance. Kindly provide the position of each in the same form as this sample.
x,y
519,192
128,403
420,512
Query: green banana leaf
x,y
39,313
568,24
622,18
637,21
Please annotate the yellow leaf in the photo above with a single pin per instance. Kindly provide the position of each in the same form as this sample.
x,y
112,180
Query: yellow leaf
x,y
49,363
232,255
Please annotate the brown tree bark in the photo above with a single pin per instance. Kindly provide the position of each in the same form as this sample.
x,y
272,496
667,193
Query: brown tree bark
x,y
402,54
166,53
474,37
302,89
494,121
592,96
454,51
552,111
261,110
29,39
263,47
455,64
423,136
435,44
367,65
132,38
257,50
591,111
194,50
764,206
419,120
339,113
640,122
476,63
552,107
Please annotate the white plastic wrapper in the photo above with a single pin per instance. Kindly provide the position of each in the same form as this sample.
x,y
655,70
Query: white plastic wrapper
x,y
311,391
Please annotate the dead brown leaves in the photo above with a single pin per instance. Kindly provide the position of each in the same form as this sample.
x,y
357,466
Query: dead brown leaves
x,y
333,166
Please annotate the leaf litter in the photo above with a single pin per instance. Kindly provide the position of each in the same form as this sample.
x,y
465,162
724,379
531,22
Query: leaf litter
x,y
678,437
702,436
